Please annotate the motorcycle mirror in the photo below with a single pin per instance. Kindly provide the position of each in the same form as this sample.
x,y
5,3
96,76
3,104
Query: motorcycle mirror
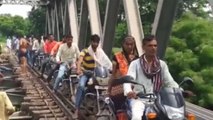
x,y
186,80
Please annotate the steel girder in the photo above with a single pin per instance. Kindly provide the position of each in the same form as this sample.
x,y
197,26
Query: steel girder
x,y
163,22
25,2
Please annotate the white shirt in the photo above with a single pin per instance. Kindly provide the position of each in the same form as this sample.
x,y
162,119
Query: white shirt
x,y
37,46
67,54
137,73
9,43
16,43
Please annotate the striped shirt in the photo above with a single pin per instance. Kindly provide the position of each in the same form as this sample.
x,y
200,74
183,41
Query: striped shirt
x,y
88,61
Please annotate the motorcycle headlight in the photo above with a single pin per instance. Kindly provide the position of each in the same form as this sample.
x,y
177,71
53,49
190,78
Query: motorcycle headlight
x,y
175,113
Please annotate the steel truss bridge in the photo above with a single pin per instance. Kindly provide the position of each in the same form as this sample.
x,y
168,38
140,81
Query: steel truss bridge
x,y
66,16
25,2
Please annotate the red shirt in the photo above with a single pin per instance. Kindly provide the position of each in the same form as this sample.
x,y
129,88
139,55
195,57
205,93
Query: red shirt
x,y
48,46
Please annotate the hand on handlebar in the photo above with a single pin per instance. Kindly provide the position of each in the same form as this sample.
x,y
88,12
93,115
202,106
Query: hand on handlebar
x,y
132,95
79,72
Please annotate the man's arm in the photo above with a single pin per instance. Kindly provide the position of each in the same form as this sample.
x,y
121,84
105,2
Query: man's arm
x,y
80,60
131,72
167,77
45,47
105,60
55,49
114,70
35,45
77,52
58,55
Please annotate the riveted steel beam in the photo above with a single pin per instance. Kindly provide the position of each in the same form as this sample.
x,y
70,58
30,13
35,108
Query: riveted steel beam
x,y
162,26
110,24
83,24
134,22
25,2
73,20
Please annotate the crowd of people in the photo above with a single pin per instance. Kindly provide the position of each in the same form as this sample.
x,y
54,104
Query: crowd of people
x,y
146,69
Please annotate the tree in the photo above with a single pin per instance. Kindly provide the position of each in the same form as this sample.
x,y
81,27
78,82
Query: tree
x,y
190,54
147,9
37,21
10,25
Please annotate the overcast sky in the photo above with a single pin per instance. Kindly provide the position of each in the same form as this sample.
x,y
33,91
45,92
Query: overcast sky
x,y
20,10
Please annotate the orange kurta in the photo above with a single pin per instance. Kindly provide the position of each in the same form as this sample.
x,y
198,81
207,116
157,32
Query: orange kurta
x,y
123,64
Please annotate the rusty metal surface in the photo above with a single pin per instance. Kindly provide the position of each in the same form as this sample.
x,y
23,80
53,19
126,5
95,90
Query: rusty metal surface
x,y
39,102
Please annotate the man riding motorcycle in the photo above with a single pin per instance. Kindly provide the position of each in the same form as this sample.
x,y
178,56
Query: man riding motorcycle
x,y
48,45
53,54
150,71
89,58
66,55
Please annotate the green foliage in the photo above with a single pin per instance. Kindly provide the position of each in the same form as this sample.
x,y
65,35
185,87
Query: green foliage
x,y
10,25
114,50
37,21
194,6
190,53
121,31
206,55
147,9
193,32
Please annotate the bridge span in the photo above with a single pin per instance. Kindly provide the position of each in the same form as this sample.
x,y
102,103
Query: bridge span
x,y
61,12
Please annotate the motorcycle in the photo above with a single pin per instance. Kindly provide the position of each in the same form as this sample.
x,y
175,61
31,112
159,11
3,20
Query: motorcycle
x,y
95,102
170,104
69,81
167,104
38,60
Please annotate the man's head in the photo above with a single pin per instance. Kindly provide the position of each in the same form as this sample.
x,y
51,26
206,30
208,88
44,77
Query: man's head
x,y
69,39
149,45
95,39
50,37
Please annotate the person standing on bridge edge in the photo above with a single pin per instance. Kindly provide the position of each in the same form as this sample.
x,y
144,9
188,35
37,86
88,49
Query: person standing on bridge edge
x,y
49,44
89,58
150,71
121,61
67,56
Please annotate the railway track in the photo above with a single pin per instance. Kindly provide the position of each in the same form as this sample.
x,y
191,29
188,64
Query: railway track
x,y
40,102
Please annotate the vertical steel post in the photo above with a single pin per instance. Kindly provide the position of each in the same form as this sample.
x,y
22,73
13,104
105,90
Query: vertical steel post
x,y
162,26
73,20
110,24
134,22
83,25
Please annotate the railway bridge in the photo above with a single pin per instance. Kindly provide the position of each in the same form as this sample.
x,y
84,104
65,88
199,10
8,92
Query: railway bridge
x,y
76,16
